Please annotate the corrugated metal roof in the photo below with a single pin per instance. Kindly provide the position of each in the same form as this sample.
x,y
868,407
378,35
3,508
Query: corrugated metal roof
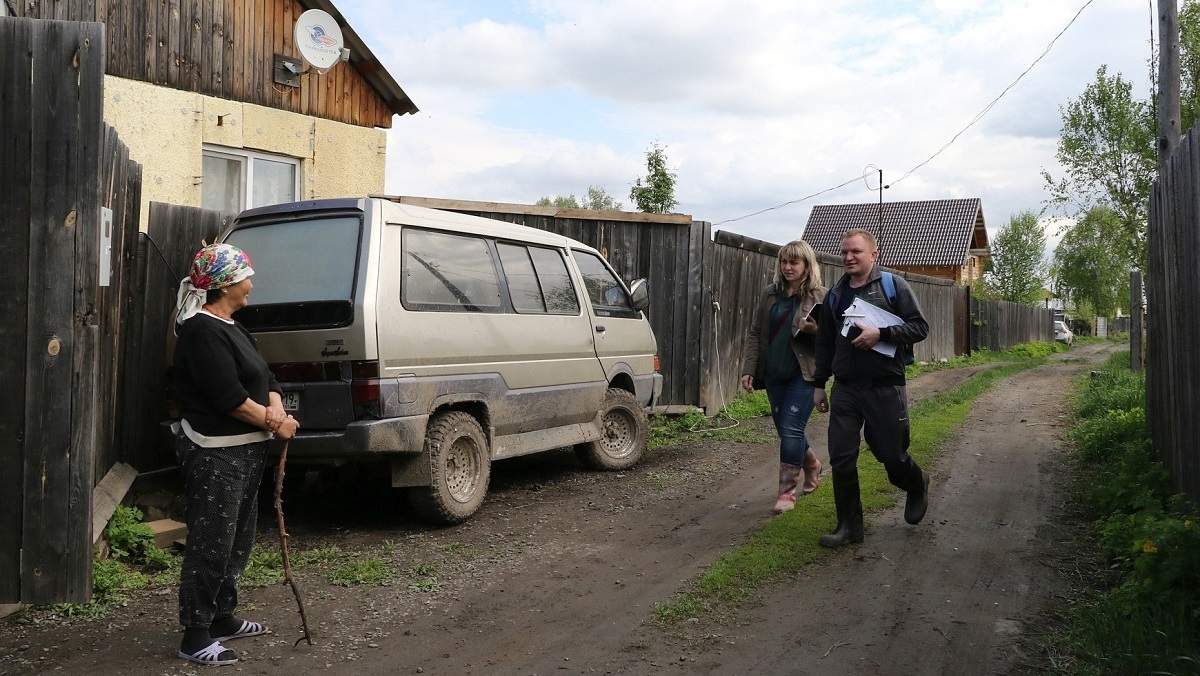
x,y
928,232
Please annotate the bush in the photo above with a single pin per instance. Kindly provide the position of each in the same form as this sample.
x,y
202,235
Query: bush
x,y
129,539
1148,621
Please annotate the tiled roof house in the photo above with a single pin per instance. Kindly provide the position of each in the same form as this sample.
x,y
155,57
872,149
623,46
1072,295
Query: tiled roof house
x,y
938,238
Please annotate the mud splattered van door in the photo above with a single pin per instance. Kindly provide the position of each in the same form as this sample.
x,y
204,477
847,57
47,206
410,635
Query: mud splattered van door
x,y
495,320
624,341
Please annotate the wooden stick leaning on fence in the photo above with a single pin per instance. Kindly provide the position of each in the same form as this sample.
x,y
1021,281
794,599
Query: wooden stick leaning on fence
x,y
283,538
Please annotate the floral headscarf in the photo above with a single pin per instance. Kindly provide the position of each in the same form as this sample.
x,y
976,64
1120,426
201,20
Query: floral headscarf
x,y
216,266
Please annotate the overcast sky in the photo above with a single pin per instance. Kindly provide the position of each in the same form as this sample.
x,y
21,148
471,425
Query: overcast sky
x,y
758,103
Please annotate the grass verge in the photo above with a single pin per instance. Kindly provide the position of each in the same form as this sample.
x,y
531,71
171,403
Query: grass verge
x,y
1139,612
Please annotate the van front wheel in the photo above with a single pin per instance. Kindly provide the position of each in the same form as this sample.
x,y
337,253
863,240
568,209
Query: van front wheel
x,y
625,429
460,469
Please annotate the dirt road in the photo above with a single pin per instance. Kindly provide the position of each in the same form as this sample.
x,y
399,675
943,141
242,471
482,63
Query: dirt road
x,y
559,572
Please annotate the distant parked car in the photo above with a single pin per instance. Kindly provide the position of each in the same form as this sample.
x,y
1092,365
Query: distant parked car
x,y
1063,334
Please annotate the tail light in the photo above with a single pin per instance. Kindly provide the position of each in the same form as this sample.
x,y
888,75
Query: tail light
x,y
364,389
656,363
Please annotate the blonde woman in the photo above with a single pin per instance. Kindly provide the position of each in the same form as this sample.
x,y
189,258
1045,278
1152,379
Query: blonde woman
x,y
780,357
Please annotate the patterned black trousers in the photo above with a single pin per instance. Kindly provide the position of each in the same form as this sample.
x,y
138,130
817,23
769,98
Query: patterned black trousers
x,y
221,485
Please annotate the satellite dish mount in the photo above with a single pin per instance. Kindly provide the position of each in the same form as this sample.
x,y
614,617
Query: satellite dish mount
x,y
319,41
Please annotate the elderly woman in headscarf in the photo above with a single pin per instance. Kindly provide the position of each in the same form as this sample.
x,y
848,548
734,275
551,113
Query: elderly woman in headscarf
x,y
231,406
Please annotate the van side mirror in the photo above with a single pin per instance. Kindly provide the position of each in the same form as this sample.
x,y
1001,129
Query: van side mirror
x,y
639,293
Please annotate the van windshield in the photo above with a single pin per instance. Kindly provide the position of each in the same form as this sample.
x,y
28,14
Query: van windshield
x,y
304,272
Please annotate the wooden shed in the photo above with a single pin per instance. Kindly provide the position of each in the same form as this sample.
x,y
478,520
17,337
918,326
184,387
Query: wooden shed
x,y
938,238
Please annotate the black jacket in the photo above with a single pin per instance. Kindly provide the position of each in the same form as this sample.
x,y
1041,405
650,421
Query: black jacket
x,y
837,357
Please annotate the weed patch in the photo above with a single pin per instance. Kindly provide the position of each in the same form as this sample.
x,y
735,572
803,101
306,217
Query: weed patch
x,y
1142,615
361,572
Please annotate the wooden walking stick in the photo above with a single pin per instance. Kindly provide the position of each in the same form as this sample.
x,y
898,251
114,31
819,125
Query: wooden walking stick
x,y
283,538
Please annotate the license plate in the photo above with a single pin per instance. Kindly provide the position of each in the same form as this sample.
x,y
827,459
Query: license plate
x,y
291,401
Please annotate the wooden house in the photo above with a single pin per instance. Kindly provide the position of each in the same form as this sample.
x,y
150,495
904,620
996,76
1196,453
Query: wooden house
x,y
206,95
937,238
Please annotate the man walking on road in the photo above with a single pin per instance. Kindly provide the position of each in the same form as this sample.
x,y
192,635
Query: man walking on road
x,y
869,388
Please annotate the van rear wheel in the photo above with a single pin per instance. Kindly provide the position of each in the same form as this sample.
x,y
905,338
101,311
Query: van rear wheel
x,y
460,465
623,437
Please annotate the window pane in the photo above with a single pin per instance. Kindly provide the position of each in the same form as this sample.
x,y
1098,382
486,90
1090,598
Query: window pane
x,y
523,284
560,295
299,261
274,182
603,289
221,184
448,273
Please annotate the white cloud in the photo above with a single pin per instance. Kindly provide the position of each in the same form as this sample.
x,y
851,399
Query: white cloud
x,y
758,102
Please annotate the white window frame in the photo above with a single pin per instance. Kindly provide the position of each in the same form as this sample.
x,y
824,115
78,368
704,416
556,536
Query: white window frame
x,y
244,157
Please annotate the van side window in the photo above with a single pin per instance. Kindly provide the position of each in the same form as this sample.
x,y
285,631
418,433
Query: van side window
x,y
604,290
537,279
561,298
448,273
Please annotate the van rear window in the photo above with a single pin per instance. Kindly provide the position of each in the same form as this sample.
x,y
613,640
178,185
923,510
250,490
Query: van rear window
x,y
304,272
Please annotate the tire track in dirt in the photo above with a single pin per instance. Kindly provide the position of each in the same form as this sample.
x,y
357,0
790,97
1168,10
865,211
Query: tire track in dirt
x,y
950,596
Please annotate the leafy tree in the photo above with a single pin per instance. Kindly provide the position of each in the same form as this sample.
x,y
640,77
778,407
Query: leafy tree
x,y
1089,272
657,194
1189,63
1017,272
597,199
568,202
1107,149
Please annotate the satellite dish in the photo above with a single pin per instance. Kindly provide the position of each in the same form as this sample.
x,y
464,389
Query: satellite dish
x,y
319,39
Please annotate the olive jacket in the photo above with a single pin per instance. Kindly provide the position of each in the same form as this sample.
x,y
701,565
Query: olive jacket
x,y
803,344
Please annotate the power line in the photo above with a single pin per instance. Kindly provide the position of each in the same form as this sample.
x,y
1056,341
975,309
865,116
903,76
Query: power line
x,y
979,116
986,109
795,201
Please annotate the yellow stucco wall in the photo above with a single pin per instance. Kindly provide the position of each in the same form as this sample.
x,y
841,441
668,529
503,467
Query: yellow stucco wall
x,y
165,130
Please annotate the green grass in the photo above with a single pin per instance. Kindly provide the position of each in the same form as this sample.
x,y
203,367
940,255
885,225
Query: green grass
x,y
1139,611
666,430
424,577
787,543
369,571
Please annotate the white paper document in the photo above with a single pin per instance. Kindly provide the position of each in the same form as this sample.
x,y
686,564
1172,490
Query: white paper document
x,y
868,313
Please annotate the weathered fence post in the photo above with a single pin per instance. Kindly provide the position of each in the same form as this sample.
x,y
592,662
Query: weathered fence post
x,y
51,103
1136,355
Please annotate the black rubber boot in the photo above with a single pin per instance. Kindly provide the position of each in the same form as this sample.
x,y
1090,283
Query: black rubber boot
x,y
849,512
918,498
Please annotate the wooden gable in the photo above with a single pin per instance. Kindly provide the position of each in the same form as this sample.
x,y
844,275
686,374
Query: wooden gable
x,y
227,48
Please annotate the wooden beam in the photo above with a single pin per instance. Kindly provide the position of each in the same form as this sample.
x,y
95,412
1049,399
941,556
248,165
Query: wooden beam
x,y
108,494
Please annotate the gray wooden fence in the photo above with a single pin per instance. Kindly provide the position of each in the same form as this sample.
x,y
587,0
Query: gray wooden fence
x,y
998,324
51,307
1173,317
164,255
703,288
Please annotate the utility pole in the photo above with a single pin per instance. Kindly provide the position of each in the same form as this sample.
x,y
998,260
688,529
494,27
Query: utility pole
x,y
879,234
1168,81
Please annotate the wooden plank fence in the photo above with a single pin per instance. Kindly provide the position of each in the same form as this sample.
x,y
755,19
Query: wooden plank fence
x,y
998,324
164,256
703,287
1173,317
51,103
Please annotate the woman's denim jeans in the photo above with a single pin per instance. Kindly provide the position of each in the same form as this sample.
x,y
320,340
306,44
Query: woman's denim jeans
x,y
791,406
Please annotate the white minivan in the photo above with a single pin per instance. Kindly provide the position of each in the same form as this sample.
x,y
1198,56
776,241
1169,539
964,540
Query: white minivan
x,y
439,342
